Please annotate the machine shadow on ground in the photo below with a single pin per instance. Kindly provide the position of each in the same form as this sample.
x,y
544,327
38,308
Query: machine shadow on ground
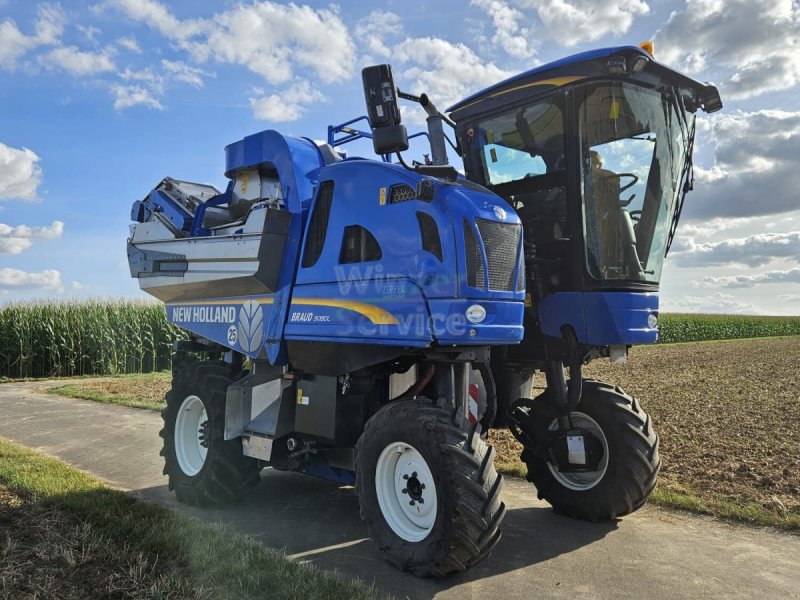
x,y
318,521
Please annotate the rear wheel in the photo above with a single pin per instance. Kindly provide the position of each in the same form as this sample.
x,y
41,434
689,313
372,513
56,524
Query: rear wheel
x,y
626,474
202,467
427,488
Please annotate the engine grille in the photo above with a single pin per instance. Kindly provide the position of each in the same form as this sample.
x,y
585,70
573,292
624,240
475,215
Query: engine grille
x,y
401,193
475,271
501,242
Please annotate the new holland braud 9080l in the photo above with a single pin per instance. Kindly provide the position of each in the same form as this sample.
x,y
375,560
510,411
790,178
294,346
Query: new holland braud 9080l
x,y
369,321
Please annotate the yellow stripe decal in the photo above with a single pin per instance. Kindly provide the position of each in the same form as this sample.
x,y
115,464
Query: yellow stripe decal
x,y
552,81
376,314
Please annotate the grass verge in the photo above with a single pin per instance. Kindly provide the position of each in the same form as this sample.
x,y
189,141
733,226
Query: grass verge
x,y
136,391
104,543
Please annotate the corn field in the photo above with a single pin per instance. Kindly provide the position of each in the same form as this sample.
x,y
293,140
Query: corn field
x,y
61,339
110,337
698,328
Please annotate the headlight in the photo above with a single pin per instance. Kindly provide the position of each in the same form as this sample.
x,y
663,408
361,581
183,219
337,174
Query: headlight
x,y
476,314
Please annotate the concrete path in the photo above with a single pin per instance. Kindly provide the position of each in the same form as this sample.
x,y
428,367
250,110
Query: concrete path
x,y
652,554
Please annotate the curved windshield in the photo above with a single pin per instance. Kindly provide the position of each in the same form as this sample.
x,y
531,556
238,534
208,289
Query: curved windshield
x,y
634,143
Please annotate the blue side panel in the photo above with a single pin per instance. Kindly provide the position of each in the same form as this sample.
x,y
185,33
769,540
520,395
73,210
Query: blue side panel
x,y
502,324
241,324
366,310
601,318
297,162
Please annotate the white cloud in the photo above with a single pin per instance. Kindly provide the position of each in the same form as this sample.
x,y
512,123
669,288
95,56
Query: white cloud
x,y
180,71
571,22
754,250
375,29
49,279
509,33
717,302
270,39
20,173
445,71
755,41
14,240
89,32
79,62
288,105
14,44
748,281
129,43
755,165
789,297
126,96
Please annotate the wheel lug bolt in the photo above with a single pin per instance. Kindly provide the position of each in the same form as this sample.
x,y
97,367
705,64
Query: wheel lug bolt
x,y
411,503
422,486
421,500
405,476
404,491
414,474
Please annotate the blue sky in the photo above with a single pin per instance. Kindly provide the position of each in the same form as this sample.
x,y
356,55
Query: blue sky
x,y
101,99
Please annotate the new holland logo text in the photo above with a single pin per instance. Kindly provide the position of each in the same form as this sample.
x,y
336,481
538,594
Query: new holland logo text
x,y
203,314
251,326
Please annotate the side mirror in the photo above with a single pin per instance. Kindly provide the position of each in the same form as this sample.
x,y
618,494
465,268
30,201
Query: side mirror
x,y
380,93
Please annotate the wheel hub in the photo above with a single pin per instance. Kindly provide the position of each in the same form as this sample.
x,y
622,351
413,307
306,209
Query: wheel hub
x,y
191,449
406,491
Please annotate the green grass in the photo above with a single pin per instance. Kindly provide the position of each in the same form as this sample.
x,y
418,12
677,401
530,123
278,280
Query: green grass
x,y
144,391
214,562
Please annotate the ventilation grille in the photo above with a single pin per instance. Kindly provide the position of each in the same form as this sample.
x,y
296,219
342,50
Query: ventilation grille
x,y
475,273
501,242
401,193
430,235
319,225
358,245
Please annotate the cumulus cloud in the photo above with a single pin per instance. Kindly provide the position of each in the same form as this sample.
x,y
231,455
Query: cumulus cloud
x,y
288,105
14,44
48,279
755,40
15,240
180,71
375,29
717,302
571,22
126,96
129,43
755,165
748,281
445,71
79,62
268,38
509,33
20,173
754,250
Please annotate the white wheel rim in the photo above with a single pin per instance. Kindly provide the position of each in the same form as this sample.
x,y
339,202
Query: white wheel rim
x,y
580,482
406,491
189,425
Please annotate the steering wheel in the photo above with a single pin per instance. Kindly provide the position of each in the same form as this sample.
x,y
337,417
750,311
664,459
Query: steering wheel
x,y
634,179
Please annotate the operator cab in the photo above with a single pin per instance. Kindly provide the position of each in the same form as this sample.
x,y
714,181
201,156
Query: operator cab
x,y
594,152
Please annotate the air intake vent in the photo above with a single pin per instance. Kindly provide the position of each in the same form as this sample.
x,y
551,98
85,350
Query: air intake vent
x,y
401,193
501,242
359,245
319,225
475,272
430,235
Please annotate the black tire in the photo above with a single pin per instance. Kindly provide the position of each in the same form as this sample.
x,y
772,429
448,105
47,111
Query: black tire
x,y
468,506
226,474
633,459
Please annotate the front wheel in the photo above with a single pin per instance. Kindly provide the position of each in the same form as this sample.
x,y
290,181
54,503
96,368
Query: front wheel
x,y
626,474
427,488
202,467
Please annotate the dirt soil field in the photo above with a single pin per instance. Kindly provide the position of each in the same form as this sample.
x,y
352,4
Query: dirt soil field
x,y
728,414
